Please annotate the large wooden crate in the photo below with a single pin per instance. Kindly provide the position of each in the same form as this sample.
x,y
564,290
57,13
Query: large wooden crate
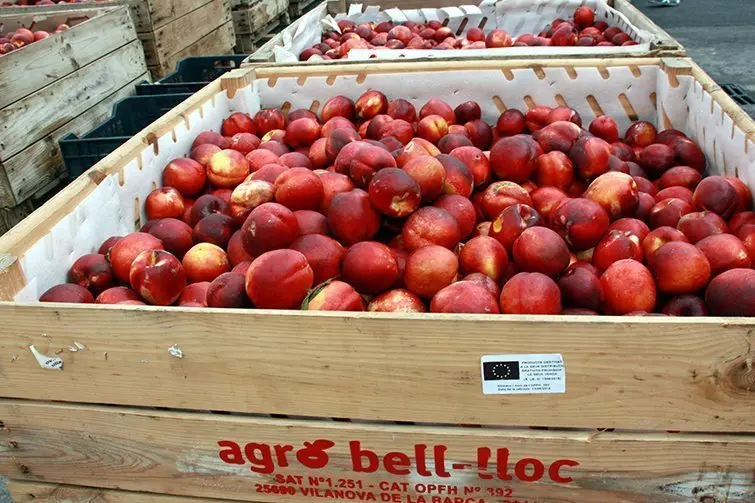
x,y
654,410
64,84
253,19
170,30
512,15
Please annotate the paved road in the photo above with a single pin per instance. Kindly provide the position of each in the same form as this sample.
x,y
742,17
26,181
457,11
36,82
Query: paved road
x,y
717,34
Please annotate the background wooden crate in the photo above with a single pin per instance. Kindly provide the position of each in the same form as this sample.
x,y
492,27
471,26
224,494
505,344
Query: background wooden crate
x,y
642,375
67,83
253,19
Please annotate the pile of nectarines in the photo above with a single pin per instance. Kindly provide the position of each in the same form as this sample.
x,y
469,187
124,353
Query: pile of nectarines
x,y
582,30
10,42
375,205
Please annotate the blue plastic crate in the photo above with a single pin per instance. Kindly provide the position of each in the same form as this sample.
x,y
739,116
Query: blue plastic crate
x,y
130,115
192,74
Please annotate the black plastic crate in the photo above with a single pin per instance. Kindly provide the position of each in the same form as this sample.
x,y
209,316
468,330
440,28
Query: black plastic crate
x,y
192,74
130,115
738,94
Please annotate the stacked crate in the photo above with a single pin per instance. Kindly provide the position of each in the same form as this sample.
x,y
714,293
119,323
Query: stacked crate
x,y
253,19
64,84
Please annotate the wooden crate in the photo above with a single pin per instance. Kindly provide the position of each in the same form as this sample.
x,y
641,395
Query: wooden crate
x,y
129,417
64,84
253,22
298,7
296,38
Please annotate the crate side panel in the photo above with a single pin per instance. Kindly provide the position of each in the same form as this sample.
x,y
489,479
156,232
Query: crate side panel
x,y
217,42
233,457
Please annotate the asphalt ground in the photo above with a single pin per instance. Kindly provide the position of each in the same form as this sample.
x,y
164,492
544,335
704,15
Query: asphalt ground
x,y
718,35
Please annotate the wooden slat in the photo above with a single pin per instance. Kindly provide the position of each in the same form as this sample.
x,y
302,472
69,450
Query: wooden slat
x,y
258,16
689,375
179,454
217,42
27,120
39,492
163,12
24,72
184,31
42,163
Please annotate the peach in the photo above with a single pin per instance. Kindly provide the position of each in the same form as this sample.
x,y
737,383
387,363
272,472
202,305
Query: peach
x,y
335,296
224,194
296,160
276,135
701,224
268,173
68,293
268,120
511,222
659,237
580,222
485,255
646,186
207,205
361,160
622,39
238,122
438,107
580,288
166,202
301,113
512,122
187,176
464,297
680,176
461,209
459,180
431,226
333,183
480,133
236,252
338,106
514,158
415,148
259,158
247,196
688,153
318,156
500,195
743,192
682,193
243,142
616,193
394,193
311,222
402,109
736,284
399,255
554,169
175,235
539,249
158,277
227,291
401,33
486,282
216,229
560,135
657,158
212,138
108,244
397,301
119,295
605,128
429,269
370,104
668,212
432,128
530,293
685,305
679,268
615,246
299,189
369,267
641,134
724,252
205,262
376,124
498,38
546,199
336,123
127,248
399,129
452,141
476,162
565,114
564,36
481,229
590,156
475,35
429,173
467,111
622,151
747,234
227,168
242,267
584,16
627,286
633,225
92,271
279,279
269,226
324,255
352,218
277,147
738,221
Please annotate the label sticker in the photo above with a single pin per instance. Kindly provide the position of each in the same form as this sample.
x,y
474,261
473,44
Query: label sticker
x,y
523,374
